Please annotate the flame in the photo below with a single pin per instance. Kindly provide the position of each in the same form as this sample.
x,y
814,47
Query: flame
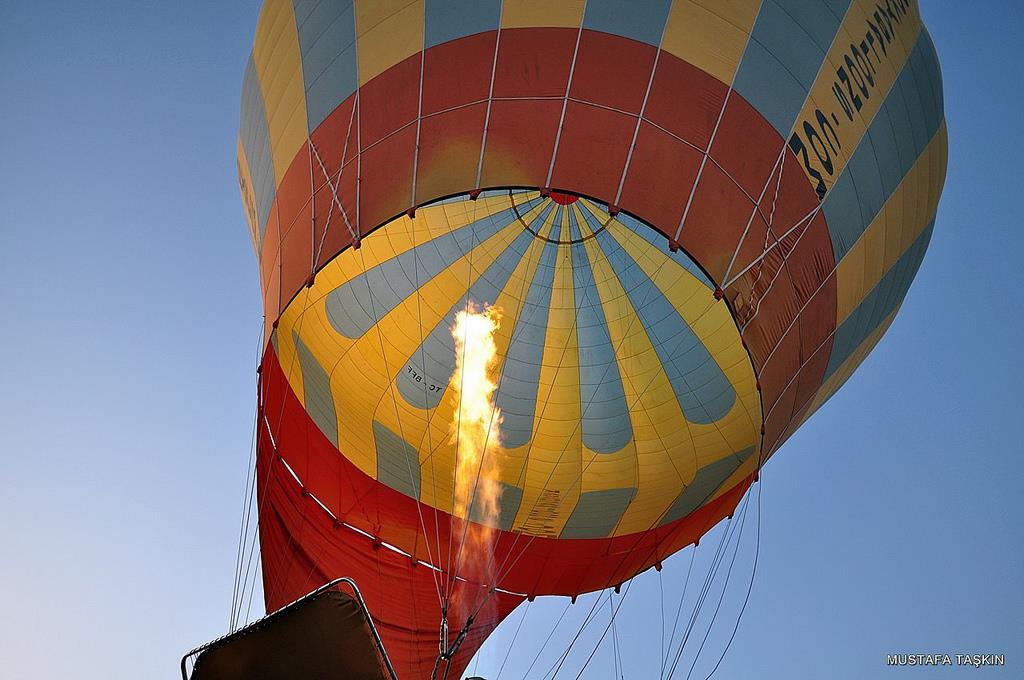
x,y
476,426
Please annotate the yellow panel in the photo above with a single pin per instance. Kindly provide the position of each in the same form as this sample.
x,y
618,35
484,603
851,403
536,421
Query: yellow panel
x,y
663,444
903,217
527,13
387,31
710,34
248,197
279,68
834,125
553,471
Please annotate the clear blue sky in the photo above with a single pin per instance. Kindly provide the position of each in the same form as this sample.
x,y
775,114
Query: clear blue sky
x,y
892,522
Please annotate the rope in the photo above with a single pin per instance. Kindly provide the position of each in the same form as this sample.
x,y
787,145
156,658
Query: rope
x,y
661,601
565,99
247,498
451,573
705,591
679,610
398,417
700,597
546,641
725,585
513,642
615,641
750,586
433,476
501,377
611,624
561,659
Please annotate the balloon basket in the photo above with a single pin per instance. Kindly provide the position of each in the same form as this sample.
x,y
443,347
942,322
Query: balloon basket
x,y
325,633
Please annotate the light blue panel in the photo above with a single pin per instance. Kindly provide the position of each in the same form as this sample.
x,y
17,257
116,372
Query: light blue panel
x,y
642,20
256,141
651,235
704,485
928,78
916,103
863,170
605,416
327,39
886,148
778,32
886,153
842,214
316,387
902,120
788,44
446,20
766,84
350,308
516,396
434,360
819,18
398,465
597,512
509,500
304,9
879,303
704,393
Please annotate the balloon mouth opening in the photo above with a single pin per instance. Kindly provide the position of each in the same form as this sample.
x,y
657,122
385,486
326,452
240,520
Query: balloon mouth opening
x,y
563,201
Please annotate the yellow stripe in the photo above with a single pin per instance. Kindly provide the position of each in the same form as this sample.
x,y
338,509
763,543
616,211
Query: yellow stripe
x,y
387,31
833,125
662,442
279,68
553,470
710,34
528,13
902,219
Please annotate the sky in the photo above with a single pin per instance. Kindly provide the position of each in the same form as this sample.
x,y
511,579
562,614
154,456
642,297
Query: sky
x,y
892,522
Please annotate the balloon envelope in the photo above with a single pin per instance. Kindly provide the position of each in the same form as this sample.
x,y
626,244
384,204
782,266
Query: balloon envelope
x,y
694,219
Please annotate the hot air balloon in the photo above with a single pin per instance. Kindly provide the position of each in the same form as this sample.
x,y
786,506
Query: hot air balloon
x,y
676,226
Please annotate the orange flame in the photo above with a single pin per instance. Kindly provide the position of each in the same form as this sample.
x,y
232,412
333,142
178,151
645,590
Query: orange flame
x,y
476,426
